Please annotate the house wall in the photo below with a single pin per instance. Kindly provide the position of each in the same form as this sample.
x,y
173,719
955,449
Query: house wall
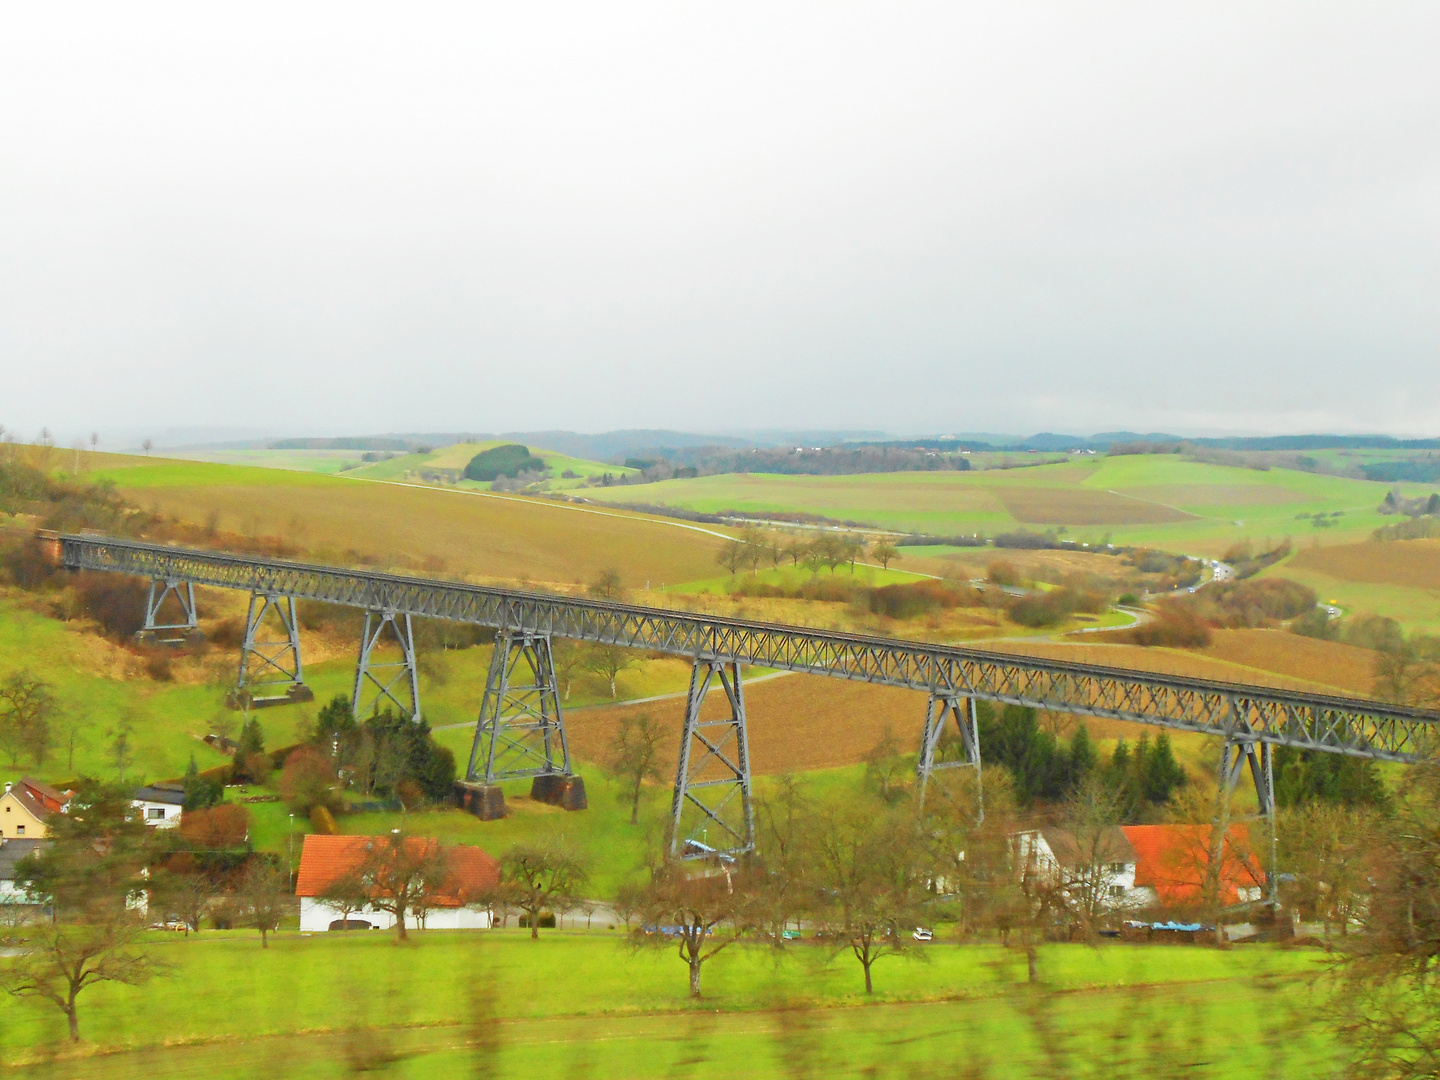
x,y
1033,845
14,816
169,818
316,916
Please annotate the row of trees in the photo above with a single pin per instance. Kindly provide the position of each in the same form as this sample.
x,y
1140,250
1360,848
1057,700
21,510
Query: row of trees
x,y
754,548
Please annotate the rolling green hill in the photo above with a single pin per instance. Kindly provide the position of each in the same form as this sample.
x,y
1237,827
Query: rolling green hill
x,y
1141,499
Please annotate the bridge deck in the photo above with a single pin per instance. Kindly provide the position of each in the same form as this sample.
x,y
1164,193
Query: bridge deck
x,y
1333,723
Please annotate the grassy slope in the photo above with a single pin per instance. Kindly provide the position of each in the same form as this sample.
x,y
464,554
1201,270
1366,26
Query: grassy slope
x,y
470,534
583,1001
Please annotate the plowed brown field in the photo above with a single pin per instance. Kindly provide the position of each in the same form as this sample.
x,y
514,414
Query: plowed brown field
x,y
1412,563
1163,661
796,722
1327,663
1082,506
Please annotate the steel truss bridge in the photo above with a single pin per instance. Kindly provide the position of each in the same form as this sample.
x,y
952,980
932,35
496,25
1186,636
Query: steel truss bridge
x,y
520,731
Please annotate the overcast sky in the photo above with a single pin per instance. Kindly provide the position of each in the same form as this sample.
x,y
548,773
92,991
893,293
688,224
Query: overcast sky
x,y
330,219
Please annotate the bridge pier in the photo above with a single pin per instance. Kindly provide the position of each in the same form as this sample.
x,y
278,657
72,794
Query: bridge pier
x,y
155,632
714,770
383,683
1234,755
521,730
941,707
270,671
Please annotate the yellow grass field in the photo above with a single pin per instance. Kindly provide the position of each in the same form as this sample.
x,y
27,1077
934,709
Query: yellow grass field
x,y
457,533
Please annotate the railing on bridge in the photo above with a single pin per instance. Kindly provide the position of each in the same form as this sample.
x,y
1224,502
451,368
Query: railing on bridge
x,y
1243,715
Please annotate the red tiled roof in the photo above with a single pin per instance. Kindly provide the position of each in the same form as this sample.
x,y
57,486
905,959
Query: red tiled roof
x,y
51,799
326,859
1173,859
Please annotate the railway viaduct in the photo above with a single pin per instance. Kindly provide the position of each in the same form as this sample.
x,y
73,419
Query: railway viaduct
x,y
520,731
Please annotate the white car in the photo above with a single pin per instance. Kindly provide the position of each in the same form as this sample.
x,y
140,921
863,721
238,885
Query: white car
x,y
921,934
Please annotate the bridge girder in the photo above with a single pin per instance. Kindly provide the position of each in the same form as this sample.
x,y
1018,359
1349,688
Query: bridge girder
x,y
1330,723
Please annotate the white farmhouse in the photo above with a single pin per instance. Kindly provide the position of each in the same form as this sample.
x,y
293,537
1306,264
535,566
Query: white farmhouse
x,y
326,860
1105,858
159,807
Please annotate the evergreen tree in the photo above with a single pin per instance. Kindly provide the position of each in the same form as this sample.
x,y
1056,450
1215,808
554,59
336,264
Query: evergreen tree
x,y
1042,768
336,720
1162,773
1082,755
250,761
199,792
1309,776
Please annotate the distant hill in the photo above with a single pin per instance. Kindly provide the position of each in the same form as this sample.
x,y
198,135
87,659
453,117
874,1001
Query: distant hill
x,y
361,442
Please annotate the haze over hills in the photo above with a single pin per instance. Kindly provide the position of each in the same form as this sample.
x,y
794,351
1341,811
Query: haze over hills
x,y
615,445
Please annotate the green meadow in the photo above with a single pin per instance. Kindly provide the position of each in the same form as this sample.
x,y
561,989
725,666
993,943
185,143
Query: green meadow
x,y
585,1003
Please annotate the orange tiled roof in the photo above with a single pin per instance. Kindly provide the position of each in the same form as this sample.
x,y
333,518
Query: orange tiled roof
x,y
1172,860
326,859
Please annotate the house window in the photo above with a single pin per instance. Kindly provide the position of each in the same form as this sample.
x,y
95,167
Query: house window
x,y
1117,890
19,830
155,813
1117,868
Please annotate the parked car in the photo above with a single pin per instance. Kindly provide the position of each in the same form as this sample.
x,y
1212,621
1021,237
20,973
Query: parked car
x,y
921,934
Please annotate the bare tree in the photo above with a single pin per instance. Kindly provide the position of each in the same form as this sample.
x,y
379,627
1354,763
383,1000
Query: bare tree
x,y
1329,853
569,659
1091,818
346,894
400,875
774,550
733,554
700,915
61,960
885,771
120,744
884,552
795,547
147,446
1387,1000
534,878
781,817
609,661
608,585
634,757
264,894
73,726
186,896
867,880
852,547
26,705
1211,856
